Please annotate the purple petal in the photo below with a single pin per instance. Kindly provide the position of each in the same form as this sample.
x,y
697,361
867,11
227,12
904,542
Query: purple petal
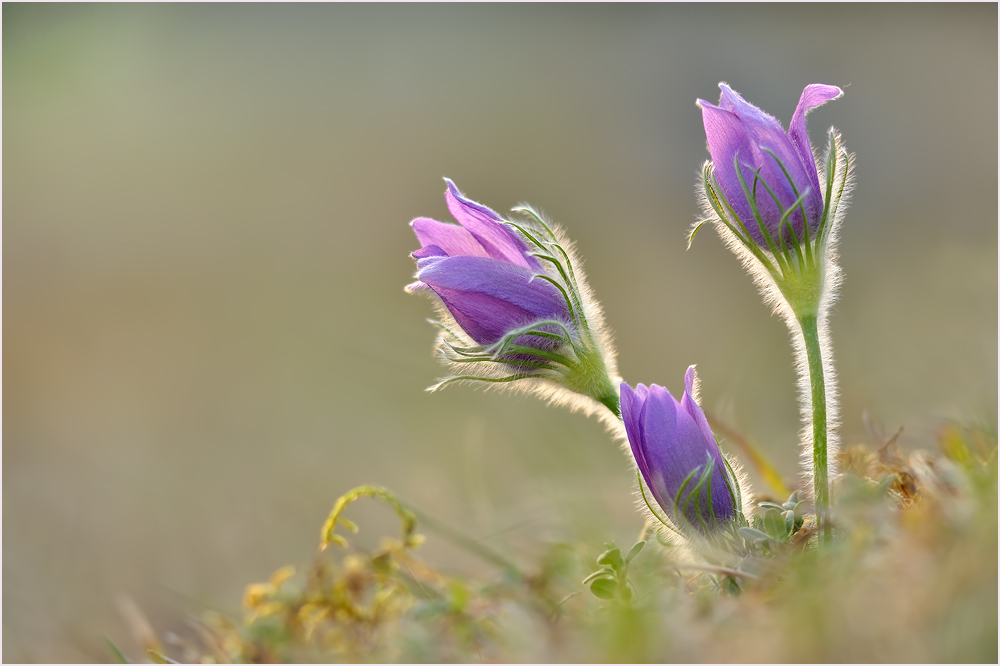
x,y
815,94
632,405
761,144
452,239
668,454
695,411
767,135
628,401
689,377
484,225
722,501
731,100
728,137
428,251
489,297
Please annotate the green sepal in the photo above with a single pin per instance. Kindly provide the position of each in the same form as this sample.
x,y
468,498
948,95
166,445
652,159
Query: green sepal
x,y
831,172
569,301
477,378
527,234
538,218
733,486
717,201
642,491
752,200
695,230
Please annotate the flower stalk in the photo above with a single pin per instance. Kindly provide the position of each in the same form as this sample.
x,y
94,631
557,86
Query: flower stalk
x,y
817,386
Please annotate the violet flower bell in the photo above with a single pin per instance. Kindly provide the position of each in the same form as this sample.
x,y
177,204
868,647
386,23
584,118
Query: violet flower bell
x,y
678,457
763,182
768,177
513,304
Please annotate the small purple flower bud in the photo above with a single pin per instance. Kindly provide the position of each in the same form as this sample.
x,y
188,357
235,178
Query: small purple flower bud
x,y
777,181
677,454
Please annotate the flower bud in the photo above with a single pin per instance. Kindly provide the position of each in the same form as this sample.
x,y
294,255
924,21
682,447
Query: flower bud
x,y
767,177
514,305
678,457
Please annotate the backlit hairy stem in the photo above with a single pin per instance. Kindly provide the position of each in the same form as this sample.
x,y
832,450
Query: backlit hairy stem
x,y
817,387
611,402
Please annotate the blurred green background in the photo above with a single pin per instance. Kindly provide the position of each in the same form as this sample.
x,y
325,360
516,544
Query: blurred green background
x,y
205,210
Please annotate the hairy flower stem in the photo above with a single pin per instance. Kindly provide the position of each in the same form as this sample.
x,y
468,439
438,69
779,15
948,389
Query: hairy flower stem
x,y
611,402
817,384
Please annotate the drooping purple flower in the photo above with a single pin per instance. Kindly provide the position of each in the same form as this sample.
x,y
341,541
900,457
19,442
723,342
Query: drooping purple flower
x,y
674,448
773,164
514,305
485,274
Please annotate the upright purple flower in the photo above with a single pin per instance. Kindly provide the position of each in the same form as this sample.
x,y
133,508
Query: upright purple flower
x,y
678,457
513,306
776,210
767,177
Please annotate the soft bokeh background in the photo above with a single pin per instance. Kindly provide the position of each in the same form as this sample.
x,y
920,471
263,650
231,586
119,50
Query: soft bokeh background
x,y
206,339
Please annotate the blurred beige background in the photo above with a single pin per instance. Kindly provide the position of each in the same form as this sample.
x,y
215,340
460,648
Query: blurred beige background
x,y
205,210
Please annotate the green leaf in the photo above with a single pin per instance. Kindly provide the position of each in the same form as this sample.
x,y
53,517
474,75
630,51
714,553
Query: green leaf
x,y
774,525
772,505
754,536
459,595
603,588
160,658
612,557
634,551
120,658
606,572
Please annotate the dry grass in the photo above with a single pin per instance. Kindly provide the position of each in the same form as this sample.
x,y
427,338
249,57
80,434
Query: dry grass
x,y
911,577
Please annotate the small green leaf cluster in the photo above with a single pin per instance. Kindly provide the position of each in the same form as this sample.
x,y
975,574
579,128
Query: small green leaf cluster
x,y
610,582
778,524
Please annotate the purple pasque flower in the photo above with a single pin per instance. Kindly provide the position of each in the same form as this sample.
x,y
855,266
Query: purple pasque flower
x,y
514,306
484,274
677,455
778,169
